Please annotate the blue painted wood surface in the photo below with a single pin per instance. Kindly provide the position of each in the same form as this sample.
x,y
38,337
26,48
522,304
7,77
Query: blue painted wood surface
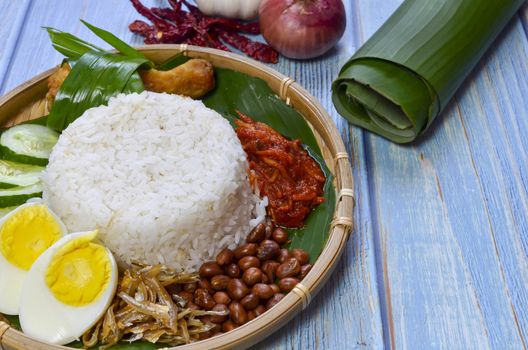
x,y
438,259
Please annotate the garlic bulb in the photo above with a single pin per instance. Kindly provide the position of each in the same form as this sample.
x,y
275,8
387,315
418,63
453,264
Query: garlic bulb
x,y
240,9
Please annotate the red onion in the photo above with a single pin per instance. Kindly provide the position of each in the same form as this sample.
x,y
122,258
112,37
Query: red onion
x,y
302,28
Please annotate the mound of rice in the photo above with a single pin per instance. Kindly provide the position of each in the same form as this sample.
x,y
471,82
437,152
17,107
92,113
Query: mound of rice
x,y
161,176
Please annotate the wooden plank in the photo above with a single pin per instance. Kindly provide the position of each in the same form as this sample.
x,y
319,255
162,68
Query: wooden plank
x,y
450,210
12,18
499,95
346,313
523,14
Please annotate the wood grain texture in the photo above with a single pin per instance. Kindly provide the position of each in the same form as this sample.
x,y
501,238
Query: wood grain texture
x,y
12,18
346,313
449,211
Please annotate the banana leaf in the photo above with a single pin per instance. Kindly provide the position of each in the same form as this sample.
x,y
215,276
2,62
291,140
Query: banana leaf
x,y
73,47
96,75
406,73
69,45
95,78
118,44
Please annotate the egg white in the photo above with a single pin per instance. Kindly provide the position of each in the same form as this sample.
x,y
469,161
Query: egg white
x,y
11,281
47,319
12,277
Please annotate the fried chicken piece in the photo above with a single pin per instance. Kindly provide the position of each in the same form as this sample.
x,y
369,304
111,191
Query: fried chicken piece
x,y
194,78
55,82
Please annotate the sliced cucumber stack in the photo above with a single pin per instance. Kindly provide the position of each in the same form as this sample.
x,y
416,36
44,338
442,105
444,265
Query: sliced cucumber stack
x,y
24,151
19,195
28,144
16,174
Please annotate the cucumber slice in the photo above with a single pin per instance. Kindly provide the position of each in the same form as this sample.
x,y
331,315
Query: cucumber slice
x,y
19,195
28,143
16,174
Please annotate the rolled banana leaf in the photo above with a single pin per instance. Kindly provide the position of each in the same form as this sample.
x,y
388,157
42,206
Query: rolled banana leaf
x,y
406,73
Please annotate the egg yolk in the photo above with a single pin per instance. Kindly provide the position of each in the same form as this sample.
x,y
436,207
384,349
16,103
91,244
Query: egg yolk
x,y
79,272
27,234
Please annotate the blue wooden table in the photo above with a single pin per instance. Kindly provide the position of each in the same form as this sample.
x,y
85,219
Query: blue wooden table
x,y
438,258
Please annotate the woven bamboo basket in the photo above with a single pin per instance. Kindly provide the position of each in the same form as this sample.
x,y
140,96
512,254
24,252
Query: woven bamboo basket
x,y
27,102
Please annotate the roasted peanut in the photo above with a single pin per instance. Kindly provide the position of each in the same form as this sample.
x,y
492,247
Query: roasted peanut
x,y
263,291
247,249
269,267
274,300
237,313
203,299
304,270
225,257
268,250
188,296
257,235
288,283
259,310
220,308
301,256
222,298
250,301
252,275
175,288
206,335
280,236
284,255
228,325
269,229
237,289
233,270
206,319
204,283
275,288
192,306
210,269
289,268
247,262
219,282
251,315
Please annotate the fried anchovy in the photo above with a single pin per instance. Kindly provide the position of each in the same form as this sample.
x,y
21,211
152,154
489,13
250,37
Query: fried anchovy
x,y
143,309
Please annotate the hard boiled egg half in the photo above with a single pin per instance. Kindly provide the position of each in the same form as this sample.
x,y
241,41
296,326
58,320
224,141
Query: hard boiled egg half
x,y
25,233
68,289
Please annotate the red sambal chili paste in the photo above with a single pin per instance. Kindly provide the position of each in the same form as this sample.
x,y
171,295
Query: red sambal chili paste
x,y
283,171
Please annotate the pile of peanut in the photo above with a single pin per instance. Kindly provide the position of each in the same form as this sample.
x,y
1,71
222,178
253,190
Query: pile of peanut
x,y
246,282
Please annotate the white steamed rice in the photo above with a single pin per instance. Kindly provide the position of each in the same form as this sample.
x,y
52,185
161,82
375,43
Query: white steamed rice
x,y
161,176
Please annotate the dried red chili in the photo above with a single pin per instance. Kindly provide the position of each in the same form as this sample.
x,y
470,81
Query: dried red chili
x,y
177,26
258,51
282,170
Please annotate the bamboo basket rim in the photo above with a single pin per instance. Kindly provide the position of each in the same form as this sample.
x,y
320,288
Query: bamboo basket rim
x,y
328,138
